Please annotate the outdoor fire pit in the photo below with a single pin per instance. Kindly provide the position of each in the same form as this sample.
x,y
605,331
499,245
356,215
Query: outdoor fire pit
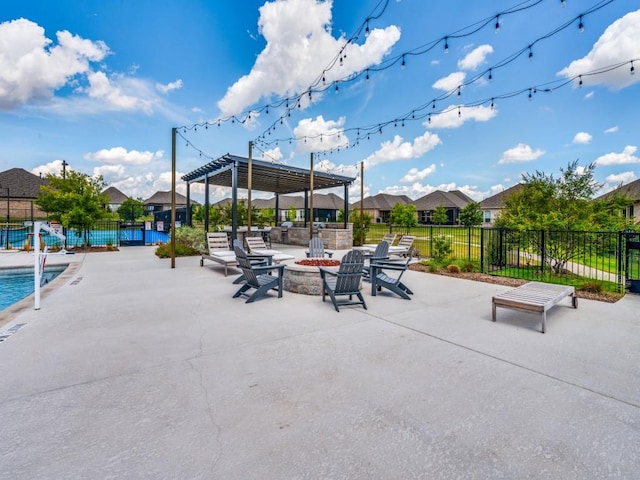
x,y
303,276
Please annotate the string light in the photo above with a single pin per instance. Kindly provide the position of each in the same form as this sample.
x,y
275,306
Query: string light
x,y
446,45
563,3
530,53
632,70
490,74
581,25
366,30
580,83
403,63
497,23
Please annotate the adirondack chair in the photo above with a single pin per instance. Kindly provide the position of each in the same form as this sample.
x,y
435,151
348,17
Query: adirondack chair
x,y
388,237
381,279
257,277
257,246
218,251
404,246
344,282
316,249
381,253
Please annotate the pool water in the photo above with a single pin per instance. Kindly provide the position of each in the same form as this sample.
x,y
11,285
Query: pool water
x,y
17,283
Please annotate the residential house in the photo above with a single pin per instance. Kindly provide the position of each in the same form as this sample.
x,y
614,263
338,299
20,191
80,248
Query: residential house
x,y
492,206
453,201
161,201
379,206
631,190
19,190
116,198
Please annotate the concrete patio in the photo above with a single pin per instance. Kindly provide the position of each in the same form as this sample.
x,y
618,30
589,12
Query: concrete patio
x,y
132,369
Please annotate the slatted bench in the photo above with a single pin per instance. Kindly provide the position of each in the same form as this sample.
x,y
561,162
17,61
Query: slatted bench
x,y
534,297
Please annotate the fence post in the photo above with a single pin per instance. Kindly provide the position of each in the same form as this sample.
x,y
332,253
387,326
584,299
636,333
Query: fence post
x,y
543,251
482,250
619,261
431,241
469,244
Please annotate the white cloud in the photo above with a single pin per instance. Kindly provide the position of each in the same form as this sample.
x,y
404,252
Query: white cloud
x,y
625,157
31,69
169,86
611,130
475,58
110,173
582,138
619,43
397,149
414,174
119,155
273,155
299,45
118,92
450,82
621,178
451,119
520,153
54,168
320,135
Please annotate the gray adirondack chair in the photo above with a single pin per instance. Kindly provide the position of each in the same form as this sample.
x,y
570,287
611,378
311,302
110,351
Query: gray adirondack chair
x,y
381,253
381,279
316,249
344,282
257,277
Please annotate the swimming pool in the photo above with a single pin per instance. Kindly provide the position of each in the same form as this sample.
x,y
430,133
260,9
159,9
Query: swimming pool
x,y
16,283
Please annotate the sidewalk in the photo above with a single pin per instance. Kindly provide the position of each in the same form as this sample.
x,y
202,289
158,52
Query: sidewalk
x,y
132,369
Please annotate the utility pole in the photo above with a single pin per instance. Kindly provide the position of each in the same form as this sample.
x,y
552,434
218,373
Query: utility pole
x,y
64,169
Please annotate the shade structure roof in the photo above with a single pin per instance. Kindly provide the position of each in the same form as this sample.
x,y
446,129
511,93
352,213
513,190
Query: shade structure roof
x,y
266,176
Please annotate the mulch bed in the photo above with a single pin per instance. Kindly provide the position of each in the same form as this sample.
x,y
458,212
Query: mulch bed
x,y
511,282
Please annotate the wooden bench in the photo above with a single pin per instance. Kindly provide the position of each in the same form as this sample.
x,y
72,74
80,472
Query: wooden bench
x,y
534,297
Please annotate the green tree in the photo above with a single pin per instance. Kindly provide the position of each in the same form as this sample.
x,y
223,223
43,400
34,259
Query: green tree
x,y
267,215
440,216
471,215
558,205
403,215
291,213
75,201
242,213
360,226
131,209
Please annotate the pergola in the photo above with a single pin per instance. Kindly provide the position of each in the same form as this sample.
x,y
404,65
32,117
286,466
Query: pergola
x,y
241,172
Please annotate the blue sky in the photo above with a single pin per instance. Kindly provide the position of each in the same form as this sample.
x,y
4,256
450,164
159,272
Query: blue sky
x,y
101,84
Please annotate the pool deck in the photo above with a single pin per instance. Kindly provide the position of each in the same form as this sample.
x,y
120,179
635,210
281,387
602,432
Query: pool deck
x,y
132,369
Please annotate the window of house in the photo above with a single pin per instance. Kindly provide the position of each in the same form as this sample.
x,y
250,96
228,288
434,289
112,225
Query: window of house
x,y
487,216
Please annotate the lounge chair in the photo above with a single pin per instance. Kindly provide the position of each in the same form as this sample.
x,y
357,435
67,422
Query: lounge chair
x,y
381,253
404,247
257,277
344,282
381,279
219,251
257,246
316,249
388,237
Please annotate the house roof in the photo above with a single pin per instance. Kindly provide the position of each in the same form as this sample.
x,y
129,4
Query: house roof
x,y
452,199
381,202
21,184
329,201
115,196
497,200
164,198
631,190
265,176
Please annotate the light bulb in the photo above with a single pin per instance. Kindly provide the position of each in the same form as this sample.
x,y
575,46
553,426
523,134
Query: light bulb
x,y
581,25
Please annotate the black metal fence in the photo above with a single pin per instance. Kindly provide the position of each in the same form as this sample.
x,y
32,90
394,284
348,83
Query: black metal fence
x,y
570,257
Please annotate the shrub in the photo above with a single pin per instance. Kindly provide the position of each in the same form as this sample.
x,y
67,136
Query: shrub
x,y
164,251
591,286
434,267
441,247
192,238
453,268
468,267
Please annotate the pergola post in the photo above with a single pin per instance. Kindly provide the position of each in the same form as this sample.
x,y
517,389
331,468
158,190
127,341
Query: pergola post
x,y
306,206
311,199
234,201
188,212
346,205
206,203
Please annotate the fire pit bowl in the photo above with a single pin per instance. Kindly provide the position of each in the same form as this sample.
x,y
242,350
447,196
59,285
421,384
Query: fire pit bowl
x,y
303,276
